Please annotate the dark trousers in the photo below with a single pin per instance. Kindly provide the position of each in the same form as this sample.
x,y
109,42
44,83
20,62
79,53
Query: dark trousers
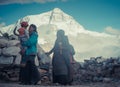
x,y
30,73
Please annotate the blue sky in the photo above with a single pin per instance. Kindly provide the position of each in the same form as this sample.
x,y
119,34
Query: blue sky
x,y
94,15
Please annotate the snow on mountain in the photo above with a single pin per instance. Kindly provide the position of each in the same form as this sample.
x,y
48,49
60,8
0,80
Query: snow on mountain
x,y
62,21
86,43
8,29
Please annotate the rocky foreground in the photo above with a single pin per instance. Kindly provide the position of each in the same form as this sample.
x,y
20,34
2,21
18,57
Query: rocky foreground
x,y
95,72
82,85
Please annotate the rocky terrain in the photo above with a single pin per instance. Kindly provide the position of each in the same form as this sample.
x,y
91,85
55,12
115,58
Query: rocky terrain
x,y
9,49
94,72
97,70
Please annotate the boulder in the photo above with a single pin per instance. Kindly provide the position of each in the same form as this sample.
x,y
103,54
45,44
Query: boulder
x,y
0,51
11,51
42,55
13,43
13,37
6,60
3,43
107,80
18,59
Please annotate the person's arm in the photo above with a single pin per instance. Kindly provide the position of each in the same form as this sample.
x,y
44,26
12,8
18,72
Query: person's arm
x,y
32,40
14,31
48,53
52,50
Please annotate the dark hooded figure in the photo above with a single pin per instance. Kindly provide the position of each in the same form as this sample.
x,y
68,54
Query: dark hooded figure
x,y
60,60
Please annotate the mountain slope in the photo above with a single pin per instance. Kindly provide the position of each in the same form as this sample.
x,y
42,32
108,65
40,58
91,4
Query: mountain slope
x,y
86,43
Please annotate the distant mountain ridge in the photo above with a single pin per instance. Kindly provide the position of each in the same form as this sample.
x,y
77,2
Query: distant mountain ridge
x,y
86,43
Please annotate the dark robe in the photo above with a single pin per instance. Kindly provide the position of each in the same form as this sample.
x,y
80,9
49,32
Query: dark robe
x,y
61,62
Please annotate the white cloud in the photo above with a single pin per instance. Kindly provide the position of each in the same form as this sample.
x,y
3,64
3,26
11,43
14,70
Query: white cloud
x,y
111,30
3,2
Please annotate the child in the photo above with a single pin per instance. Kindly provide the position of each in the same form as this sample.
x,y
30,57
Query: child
x,y
23,33
23,36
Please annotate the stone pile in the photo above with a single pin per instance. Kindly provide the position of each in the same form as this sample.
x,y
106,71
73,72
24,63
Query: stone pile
x,y
10,57
97,70
9,50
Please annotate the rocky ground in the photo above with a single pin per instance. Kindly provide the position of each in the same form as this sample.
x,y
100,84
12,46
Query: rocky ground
x,y
95,72
81,79
97,84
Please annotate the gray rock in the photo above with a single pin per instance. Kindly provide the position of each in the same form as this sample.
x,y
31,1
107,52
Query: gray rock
x,y
0,51
12,43
6,60
11,51
18,59
107,80
3,43
13,37
42,56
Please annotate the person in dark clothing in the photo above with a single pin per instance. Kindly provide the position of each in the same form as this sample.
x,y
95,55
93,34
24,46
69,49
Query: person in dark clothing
x,y
60,60
71,50
31,74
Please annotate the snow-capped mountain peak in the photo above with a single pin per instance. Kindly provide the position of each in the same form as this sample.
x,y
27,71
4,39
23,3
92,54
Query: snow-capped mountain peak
x,y
86,43
58,19
57,10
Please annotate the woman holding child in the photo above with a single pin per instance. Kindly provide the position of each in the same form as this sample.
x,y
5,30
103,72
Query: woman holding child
x,y
29,73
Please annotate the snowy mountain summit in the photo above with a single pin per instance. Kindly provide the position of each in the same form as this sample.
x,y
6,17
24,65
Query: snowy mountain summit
x,y
59,19
86,43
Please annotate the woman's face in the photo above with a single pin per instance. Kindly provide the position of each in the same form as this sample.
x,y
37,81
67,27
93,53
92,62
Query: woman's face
x,y
31,29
